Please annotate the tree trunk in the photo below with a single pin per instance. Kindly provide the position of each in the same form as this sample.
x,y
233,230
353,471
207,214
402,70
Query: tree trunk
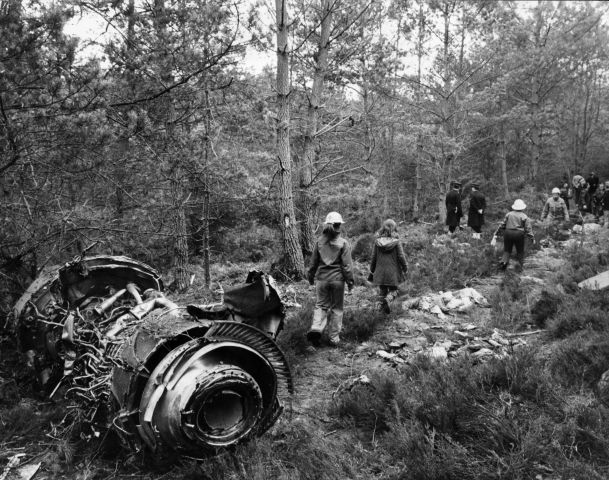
x,y
419,153
172,157
294,263
180,239
536,134
206,247
503,160
307,203
122,156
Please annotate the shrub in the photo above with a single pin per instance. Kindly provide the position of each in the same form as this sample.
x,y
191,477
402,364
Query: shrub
x,y
360,324
508,308
578,314
546,307
580,359
362,249
291,451
292,339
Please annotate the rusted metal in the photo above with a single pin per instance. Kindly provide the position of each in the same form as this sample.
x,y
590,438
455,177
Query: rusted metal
x,y
164,377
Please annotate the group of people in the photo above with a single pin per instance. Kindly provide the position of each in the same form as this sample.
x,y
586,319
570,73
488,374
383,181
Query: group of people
x,y
331,269
516,225
331,266
591,196
454,210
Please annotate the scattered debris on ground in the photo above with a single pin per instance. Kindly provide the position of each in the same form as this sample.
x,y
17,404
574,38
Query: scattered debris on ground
x,y
597,282
497,345
443,303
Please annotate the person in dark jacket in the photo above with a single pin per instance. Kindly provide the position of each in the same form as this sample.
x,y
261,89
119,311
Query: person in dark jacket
x,y
566,194
475,215
515,227
585,199
388,265
331,268
592,182
605,204
597,201
454,210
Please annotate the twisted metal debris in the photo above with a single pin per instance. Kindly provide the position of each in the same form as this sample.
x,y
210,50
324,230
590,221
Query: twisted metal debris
x,y
100,332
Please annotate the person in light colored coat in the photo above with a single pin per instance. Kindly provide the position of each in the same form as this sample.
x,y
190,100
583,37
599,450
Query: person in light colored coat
x,y
330,269
388,265
515,227
555,208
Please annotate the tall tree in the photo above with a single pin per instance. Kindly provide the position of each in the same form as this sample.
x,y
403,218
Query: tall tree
x,y
294,262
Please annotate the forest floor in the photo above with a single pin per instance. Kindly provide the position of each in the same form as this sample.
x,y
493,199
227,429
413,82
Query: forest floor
x,y
504,390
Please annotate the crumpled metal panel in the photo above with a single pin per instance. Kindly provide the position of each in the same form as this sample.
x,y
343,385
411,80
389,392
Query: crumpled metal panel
x,y
100,332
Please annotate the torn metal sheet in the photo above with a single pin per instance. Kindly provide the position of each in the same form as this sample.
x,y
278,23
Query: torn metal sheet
x,y
164,377
597,282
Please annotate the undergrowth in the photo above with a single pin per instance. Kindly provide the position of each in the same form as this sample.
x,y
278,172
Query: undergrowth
x,y
463,420
449,265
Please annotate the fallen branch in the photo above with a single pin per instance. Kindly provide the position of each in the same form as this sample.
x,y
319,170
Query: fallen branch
x,y
519,334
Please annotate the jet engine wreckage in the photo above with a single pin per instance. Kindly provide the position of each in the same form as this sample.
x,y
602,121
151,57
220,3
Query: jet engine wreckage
x,y
100,332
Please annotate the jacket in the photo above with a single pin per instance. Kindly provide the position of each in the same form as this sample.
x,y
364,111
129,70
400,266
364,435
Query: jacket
x,y
516,220
605,200
331,261
592,182
578,181
388,264
454,211
555,209
476,202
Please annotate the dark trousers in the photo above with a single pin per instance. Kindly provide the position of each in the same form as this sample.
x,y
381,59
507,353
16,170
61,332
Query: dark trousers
x,y
477,229
577,191
452,228
386,295
511,239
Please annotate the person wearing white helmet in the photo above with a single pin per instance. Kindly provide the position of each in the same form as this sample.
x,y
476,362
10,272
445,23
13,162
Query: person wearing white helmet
x,y
330,269
515,227
555,208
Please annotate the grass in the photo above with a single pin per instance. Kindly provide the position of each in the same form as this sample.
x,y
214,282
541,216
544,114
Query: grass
x,y
451,264
503,419
289,452
533,414
510,309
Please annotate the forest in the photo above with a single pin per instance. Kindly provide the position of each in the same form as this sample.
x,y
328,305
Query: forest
x,y
207,138
161,144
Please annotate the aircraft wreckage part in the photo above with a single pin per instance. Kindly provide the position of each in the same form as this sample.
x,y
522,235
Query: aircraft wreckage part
x,y
166,377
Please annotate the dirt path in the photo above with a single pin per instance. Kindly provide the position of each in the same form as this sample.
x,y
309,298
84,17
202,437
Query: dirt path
x,y
322,375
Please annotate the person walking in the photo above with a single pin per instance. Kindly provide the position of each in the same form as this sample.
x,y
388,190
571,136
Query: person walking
x,y
555,208
388,265
583,204
331,268
554,212
454,210
578,182
516,226
597,202
566,194
475,214
592,182
605,205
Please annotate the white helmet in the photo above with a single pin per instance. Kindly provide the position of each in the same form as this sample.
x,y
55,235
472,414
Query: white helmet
x,y
519,205
334,217
555,190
